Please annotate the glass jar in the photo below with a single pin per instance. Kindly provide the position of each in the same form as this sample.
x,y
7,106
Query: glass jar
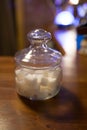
x,y
38,68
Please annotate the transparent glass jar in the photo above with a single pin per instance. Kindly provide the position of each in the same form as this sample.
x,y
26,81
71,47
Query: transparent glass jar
x,y
38,68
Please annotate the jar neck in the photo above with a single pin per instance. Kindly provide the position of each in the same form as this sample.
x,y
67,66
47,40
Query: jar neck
x,y
39,43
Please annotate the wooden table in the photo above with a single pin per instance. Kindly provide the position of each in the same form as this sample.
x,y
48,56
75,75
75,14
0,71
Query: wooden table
x,y
66,111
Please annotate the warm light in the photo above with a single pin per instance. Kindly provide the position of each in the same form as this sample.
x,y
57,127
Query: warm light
x,y
74,2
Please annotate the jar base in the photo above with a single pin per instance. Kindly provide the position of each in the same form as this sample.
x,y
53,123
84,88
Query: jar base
x,y
39,98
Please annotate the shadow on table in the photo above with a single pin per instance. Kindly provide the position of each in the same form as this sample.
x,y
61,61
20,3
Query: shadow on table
x,y
63,107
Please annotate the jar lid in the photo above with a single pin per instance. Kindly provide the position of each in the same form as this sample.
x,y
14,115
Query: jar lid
x,y
39,34
38,55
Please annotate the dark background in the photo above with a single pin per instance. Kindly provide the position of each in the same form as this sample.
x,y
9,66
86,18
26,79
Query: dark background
x,y
17,18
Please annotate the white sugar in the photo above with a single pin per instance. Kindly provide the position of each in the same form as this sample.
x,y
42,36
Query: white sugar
x,y
38,84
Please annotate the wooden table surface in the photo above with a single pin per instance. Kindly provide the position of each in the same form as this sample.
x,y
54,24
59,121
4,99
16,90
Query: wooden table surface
x,y
66,111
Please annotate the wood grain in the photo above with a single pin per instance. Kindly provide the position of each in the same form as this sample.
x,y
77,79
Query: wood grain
x,y
66,111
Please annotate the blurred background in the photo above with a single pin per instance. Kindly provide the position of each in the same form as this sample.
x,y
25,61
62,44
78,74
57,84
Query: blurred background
x,y
18,17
